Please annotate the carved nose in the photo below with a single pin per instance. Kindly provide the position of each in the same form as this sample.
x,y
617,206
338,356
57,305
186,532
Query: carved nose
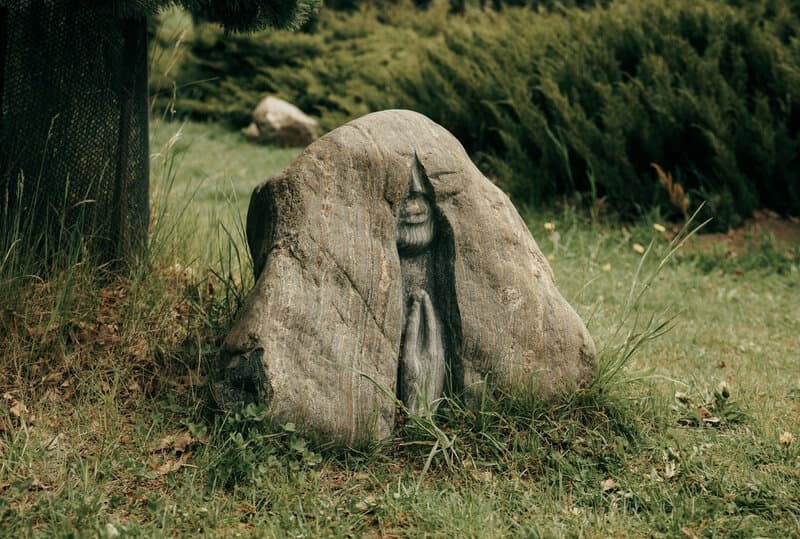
x,y
414,206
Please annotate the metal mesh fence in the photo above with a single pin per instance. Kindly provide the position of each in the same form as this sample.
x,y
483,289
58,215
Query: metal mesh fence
x,y
73,136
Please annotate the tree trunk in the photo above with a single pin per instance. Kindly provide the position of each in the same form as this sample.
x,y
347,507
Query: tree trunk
x,y
74,137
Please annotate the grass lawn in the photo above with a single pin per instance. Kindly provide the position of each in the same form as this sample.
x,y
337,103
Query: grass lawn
x,y
105,429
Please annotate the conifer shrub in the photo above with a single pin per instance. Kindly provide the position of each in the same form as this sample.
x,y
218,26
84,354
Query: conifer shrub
x,y
553,102
588,100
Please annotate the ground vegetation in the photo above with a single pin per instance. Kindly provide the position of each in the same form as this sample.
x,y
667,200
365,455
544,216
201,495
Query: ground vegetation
x,y
689,428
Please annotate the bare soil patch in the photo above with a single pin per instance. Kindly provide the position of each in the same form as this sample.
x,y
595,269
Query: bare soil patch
x,y
765,225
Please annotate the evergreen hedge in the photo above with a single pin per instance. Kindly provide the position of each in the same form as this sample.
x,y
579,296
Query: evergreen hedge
x,y
554,102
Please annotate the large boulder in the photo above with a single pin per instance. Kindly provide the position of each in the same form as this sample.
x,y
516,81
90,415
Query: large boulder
x,y
319,338
278,122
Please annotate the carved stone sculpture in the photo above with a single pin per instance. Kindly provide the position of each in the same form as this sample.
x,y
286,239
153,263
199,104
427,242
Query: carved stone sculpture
x,y
423,365
278,122
387,266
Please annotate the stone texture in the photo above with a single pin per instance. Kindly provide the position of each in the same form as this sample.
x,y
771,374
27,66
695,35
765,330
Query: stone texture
x,y
319,338
278,122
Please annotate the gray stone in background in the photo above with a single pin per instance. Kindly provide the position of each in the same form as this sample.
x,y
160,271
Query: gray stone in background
x,y
323,328
278,122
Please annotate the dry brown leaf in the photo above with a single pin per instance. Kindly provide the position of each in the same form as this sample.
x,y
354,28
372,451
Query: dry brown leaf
x,y
52,378
18,408
179,442
172,465
246,508
367,504
481,475
139,349
689,532
165,443
183,441
707,416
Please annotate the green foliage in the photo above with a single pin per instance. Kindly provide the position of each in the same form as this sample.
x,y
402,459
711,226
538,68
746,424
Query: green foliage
x,y
252,448
712,409
252,15
553,102
587,100
342,71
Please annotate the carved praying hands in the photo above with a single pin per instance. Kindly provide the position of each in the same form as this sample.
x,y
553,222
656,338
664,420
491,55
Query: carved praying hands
x,y
422,360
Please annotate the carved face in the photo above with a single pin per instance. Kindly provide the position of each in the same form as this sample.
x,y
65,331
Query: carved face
x,y
415,222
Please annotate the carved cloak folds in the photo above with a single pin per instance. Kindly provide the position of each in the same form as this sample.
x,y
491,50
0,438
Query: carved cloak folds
x,y
325,317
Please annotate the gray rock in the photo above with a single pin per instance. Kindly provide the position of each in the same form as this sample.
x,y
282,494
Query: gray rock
x,y
324,334
278,122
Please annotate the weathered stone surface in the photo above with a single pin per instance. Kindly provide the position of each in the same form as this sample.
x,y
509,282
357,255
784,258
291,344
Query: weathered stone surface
x,y
278,122
320,336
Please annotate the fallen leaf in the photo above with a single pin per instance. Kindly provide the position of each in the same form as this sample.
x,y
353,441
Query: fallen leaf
x,y
53,377
165,443
247,508
178,442
366,504
484,476
688,532
18,408
704,413
172,465
183,441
